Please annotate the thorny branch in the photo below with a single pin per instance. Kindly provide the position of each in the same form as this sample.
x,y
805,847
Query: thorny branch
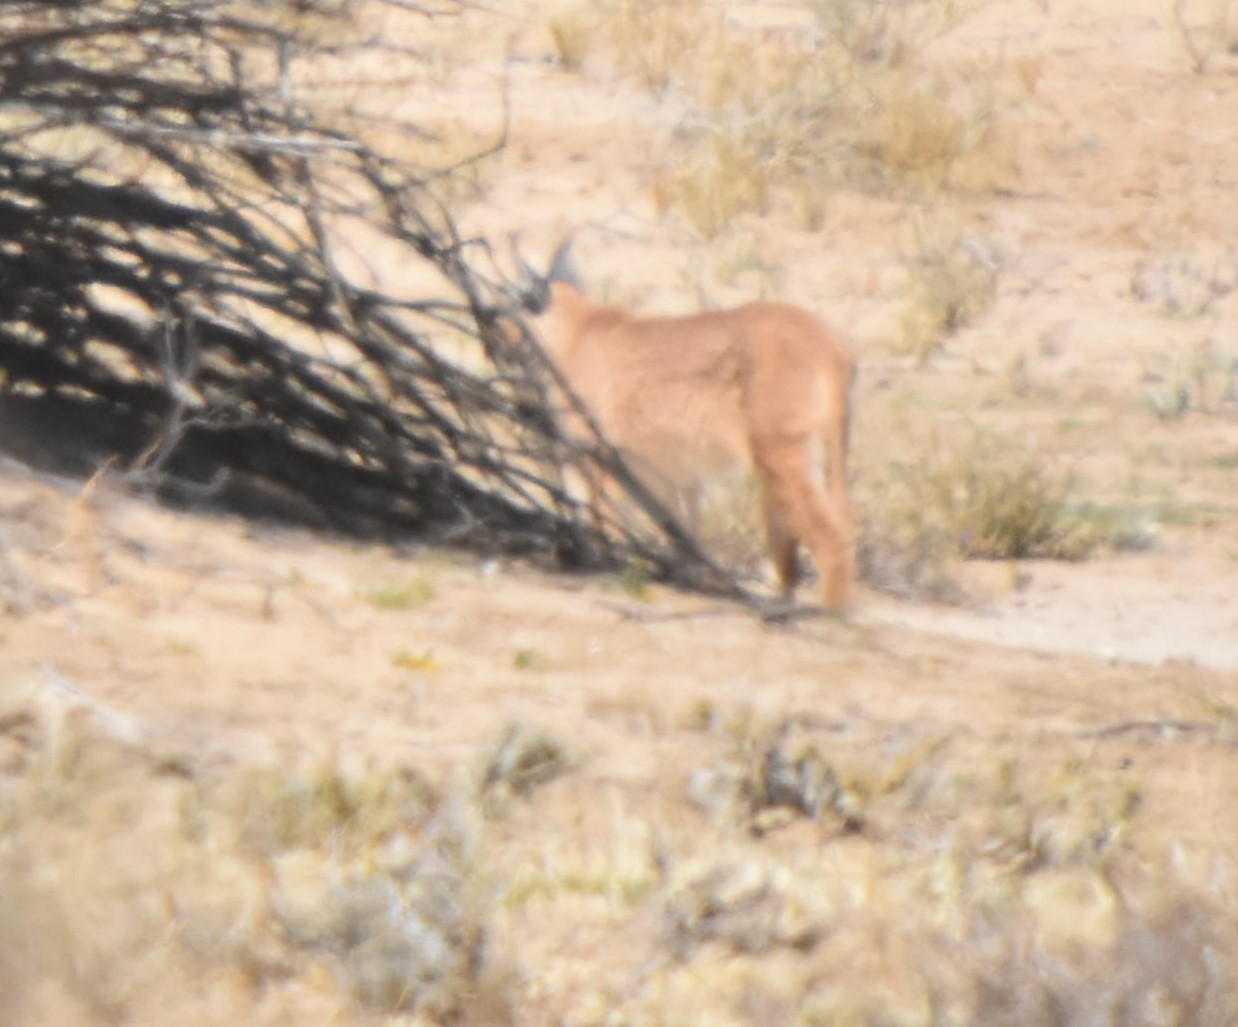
x,y
181,218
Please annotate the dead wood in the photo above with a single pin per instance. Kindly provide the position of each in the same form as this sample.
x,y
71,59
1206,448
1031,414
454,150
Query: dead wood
x,y
181,290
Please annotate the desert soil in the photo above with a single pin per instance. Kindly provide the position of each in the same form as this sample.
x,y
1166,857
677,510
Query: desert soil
x,y
237,638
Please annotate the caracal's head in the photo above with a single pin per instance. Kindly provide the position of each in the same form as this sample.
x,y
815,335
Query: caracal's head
x,y
549,297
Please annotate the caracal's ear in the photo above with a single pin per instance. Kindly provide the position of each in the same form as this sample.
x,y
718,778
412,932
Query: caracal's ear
x,y
532,290
563,267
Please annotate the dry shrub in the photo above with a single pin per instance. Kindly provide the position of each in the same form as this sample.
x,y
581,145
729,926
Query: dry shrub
x,y
657,43
876,32
718,182
773,115
521,761
135,881
656,40
1001,890
919,135
953,277
979,497
747,906
1208,31
781,119
770,774
573,28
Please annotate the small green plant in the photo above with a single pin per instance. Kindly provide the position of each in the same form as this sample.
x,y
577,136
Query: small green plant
x,y
528,659
402,595
635,581
424,661
573,29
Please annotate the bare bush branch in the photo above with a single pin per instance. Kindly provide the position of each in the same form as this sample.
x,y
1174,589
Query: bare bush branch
x,y
185,284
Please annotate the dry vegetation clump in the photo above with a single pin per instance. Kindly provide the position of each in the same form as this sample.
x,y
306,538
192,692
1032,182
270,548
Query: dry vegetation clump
x,y
953,277
521,761
655,42
773,774
846,98
140,885
964,891
199,240
844,872
1208,31
980,498
1183,285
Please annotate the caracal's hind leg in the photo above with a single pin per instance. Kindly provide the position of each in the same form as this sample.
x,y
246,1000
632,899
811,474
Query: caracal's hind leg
x,y
783,545
801,508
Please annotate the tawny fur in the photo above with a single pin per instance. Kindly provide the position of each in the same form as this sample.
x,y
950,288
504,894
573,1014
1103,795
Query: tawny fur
x,y
765,387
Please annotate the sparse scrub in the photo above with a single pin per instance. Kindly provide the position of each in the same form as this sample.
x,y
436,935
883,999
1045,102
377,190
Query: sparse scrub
x,y
128,883
771,773
656,40
975,880
746,905
1204,378
401,595
1183,285
876,32
980,498
720,180
791,121
1206,38
988,892
573,27
953,278
521,761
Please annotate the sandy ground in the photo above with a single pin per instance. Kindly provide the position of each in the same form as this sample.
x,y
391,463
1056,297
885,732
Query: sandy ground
x,y
241,638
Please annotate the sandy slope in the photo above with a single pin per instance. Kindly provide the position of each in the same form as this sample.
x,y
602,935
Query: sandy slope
x,y
238,639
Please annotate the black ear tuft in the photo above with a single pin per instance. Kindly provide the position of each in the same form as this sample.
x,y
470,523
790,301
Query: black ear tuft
x,y
563,266
534,288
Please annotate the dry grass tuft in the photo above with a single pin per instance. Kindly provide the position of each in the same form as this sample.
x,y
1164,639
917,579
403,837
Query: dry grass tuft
x,y
135,882
400,595
997,891
745,905
771,774
979,498
573,28
953,277
655,40
853,102
522,761
873,32
717,183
